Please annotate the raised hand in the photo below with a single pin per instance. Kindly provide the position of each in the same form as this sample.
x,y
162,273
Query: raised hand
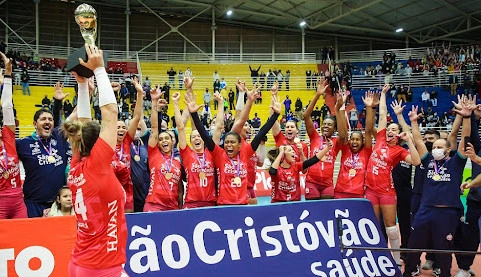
x,y
413,114
241,85
385,88
477,111
156,93
322,87
274,89
469,152
405,136
253,94
191,105
275,104
95,57
218,97
341,99
176,97
458,105
466,108
368,99
58,92
188,82
161,103
397,107
137,85
8,64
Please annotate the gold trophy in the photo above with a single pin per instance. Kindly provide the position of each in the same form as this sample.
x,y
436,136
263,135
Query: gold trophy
x,y
86,18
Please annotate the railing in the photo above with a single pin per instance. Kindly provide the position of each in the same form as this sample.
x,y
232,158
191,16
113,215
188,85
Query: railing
x,y
414,80
50,78
376,55
62,53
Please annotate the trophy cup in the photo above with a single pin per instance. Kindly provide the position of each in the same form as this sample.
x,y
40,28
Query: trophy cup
x,y
86,18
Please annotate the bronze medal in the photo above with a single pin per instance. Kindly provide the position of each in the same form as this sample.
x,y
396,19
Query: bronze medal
x,y
168,175
352,172
237,180
202,175
436,177
136,158
51,159
5,174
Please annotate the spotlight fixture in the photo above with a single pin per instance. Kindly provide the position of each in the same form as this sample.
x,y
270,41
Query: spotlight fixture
x,y
303,23
229,12
399,30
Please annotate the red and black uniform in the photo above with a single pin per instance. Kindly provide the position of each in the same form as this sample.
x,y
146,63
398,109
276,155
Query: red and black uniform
x,y
350,181
231,192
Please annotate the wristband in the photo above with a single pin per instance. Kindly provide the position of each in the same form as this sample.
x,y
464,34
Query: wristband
x,y
466,116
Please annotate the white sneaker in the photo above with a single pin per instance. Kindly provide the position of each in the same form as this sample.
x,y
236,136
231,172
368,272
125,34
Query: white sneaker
x,y
428,265
462,273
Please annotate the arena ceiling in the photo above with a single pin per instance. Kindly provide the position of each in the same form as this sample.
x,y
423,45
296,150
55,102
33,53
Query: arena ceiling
x,y
422,21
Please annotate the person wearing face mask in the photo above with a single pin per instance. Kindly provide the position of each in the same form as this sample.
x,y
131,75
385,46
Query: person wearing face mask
x,y
284,172
386,154
121,161
355,151
435,223
166,188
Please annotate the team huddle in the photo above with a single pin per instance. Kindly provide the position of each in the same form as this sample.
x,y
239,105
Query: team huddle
x,y
113,169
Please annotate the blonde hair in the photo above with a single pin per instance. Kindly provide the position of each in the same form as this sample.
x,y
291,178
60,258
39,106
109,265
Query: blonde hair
x,y
82,136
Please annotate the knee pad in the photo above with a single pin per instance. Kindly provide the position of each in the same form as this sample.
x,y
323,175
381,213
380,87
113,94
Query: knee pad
x,y
392,232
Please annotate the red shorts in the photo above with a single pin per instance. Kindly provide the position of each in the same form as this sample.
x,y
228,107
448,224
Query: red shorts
x,y
153,207
80,271
343,195
380,199
315,191
198,204
12,207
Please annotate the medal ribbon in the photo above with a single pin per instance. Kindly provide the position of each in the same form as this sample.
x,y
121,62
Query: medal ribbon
x,y
202,163
49,150
354,160
436,170
238,164
169,165
121,151
136,150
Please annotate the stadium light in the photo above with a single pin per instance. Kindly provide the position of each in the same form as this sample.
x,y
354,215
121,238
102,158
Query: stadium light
x,y
399,30
229,12
303,23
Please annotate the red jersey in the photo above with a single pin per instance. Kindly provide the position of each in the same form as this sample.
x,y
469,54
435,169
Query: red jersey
x,y
322,172
99,207
162,190
231,193
10,184
199,189
121,165
383,159
251,166
349,181
281,140
286,184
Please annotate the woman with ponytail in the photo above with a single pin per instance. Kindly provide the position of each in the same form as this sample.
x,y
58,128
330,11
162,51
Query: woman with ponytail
x,y
98,197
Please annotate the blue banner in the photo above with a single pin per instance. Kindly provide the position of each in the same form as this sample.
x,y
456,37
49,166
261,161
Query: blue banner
x,y
291,239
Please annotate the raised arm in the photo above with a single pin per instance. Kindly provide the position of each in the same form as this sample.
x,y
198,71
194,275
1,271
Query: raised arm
x,y
266,127
107,100
340,109
398,109
219,120
458,120
193,109
382,122
321,90
139,106
7,104
179,121
417,137
413,157
368,100
465,113
276,128
157,105
252,95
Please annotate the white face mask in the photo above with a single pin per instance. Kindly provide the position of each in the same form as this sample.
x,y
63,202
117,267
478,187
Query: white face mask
x,y
137,134
438,154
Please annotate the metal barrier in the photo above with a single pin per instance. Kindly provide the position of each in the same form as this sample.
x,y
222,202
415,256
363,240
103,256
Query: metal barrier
x,y
377,55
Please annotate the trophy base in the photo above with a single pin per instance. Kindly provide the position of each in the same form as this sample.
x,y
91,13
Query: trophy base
x,y
73,63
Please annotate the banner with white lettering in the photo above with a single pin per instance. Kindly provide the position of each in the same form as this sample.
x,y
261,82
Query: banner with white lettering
x,y
289,239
